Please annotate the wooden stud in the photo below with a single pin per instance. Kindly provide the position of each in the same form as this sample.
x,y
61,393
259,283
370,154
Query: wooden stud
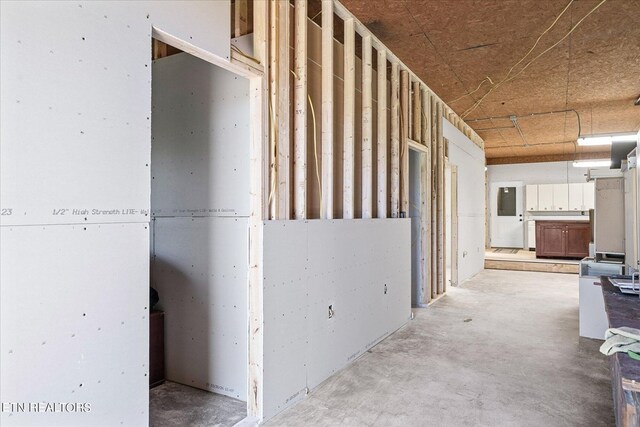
x,y
404,143
395,141
258,204
434,200
241,18
454,225
382,133
326,208
440,199
300,111
417,113
260,32
349,119
367,128
273,108
426,124
284,116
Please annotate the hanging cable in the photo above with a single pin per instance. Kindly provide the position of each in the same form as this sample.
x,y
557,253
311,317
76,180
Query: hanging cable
x,y
508,79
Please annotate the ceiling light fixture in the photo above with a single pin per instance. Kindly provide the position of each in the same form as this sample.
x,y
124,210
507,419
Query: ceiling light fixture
x,y
607,139
592,163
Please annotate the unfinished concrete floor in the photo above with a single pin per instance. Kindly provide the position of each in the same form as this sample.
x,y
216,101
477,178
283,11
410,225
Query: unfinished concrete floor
x,y
502,350
176,405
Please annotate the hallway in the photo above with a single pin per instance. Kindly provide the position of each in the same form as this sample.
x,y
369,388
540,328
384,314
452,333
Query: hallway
x,y
503,349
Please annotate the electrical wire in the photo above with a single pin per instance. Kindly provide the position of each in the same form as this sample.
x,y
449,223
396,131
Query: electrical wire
x,y
473,91
315,141
508,79
253,58
521,59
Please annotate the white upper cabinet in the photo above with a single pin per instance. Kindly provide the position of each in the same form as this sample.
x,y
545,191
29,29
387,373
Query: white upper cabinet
x,y
545,197
588,196
531,196
576,202
560,197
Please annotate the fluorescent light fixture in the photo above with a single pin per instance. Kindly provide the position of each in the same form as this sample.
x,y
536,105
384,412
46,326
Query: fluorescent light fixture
x,y
607,139
592,163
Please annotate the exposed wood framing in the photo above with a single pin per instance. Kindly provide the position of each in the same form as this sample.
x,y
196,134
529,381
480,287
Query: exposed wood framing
x,y
273,108
300,111
283,199
344,13
416,130
404,143
426,220
382,133
434,198
440,198
326,205
454,225
241,18
348,201
395,141
258,203
367,128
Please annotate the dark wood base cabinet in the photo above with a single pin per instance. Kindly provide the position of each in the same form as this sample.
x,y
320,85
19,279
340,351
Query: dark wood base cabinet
x,y
562,239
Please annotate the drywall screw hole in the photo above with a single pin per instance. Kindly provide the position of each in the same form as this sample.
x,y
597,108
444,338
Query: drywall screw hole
x,y
80,384
84,314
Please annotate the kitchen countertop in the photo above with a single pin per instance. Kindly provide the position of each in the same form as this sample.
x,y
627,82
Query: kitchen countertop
x,y
623,310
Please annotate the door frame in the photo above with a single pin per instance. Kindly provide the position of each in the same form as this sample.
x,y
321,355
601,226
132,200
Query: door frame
x,y
258,200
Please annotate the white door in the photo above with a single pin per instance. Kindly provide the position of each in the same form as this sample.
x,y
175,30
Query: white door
x,y
507,222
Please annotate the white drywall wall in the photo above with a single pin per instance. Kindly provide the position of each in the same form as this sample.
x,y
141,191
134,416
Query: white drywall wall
x,y
200,149
200,269
200,177
74,315
471,200
537,173
310,265
75,79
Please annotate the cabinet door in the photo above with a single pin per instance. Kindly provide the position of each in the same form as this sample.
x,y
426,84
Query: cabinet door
x,y
588,196
531,196
560,197
550,240
575,197
545,197
531,234
578,237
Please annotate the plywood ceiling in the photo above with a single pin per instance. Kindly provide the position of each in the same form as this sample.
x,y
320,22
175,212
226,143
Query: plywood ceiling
x,y
453,45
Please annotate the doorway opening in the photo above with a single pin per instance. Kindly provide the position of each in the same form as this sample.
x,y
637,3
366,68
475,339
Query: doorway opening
x,y
199,241
417,212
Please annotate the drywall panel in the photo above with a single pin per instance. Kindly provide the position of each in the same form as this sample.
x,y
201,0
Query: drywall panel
x,y
200,270
471,200
359,268
200,130
74,323
75,108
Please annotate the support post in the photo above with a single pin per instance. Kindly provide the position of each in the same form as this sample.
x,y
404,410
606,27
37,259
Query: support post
x,y
382,133
300,111
395,140
367,128
326,208
348,197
